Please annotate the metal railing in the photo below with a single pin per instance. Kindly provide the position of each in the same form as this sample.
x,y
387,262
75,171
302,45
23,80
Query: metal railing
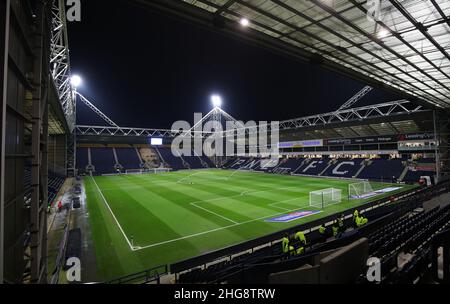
x,y
152,275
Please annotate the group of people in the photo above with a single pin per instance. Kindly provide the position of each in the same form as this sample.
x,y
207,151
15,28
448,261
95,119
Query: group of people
x,y
337,228
295,245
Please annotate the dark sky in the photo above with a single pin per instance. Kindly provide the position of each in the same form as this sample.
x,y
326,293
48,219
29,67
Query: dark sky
x,y
147,70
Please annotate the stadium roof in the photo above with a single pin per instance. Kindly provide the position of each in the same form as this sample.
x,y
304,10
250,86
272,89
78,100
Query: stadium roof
x,y
405,49
419,122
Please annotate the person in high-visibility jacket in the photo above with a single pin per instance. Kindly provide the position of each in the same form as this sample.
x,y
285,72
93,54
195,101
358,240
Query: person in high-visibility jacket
x,y
335,229
361,221
340,221
355,216
323,230
285,244
300,236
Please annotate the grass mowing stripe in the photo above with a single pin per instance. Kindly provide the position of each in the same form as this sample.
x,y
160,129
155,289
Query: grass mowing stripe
x,y
212,212
217,229
112,213
247,199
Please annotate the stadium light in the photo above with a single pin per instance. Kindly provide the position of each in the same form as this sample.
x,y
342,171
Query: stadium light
x,y
216,101
75,81
382,33
244,22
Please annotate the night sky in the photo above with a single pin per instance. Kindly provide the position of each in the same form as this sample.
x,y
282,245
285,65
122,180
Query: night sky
x,y
147,70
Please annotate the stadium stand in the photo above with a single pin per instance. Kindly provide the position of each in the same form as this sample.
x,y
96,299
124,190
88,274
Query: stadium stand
x,y
240,163
103,160
229,162
398,228
149,157
108,159
344,167
55,182
418,168
172,161
198,162
82,159
314,166
128,158
377,169
289,165
383,169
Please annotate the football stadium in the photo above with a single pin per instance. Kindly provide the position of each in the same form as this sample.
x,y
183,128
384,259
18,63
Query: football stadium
x,y
356,193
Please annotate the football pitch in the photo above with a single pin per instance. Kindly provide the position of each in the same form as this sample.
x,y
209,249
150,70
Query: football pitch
x,y
144,220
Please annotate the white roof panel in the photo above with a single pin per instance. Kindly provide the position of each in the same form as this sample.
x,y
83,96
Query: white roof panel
x,y
406,47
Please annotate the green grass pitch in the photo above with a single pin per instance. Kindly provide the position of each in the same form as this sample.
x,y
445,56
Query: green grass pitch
x,y
145,220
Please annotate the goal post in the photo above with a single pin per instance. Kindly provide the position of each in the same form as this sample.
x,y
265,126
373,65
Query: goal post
x,y
325,197
359,189
142,171
134,171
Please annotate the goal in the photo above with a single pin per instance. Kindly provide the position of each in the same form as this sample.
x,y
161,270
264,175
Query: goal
x,y
359,190
141,171
324,197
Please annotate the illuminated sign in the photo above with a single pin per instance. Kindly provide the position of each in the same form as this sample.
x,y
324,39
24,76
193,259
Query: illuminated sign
x,y
155,141
301,143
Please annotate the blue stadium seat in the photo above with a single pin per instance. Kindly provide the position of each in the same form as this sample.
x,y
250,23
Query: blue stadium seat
x,y
383,169
175,162
128,158
103,160
314,167
82,159
344,167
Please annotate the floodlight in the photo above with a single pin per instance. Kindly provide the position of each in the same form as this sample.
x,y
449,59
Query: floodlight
x,y
216,100
75,81
382,33
244,22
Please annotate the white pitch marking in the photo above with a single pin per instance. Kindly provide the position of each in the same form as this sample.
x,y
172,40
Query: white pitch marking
x,y
212,212
135,248
115,219
218,229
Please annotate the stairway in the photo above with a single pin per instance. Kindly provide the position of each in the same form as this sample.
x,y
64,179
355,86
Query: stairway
x,y
404,172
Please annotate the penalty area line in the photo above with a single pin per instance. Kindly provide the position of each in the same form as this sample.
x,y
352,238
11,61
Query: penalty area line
x,y
217,229
212,212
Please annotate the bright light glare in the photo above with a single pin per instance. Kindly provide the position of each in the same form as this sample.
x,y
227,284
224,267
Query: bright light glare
x,y
382,33
75,81
216,100
245,22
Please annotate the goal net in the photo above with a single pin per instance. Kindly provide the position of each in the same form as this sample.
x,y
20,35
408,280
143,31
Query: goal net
x,y
324,197
359,189
141,171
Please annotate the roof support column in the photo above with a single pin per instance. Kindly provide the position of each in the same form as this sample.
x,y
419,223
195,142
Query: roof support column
x,y
39,153
4,46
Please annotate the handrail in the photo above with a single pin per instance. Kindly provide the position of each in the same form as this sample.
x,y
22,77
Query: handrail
x,y
146,276
251,244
